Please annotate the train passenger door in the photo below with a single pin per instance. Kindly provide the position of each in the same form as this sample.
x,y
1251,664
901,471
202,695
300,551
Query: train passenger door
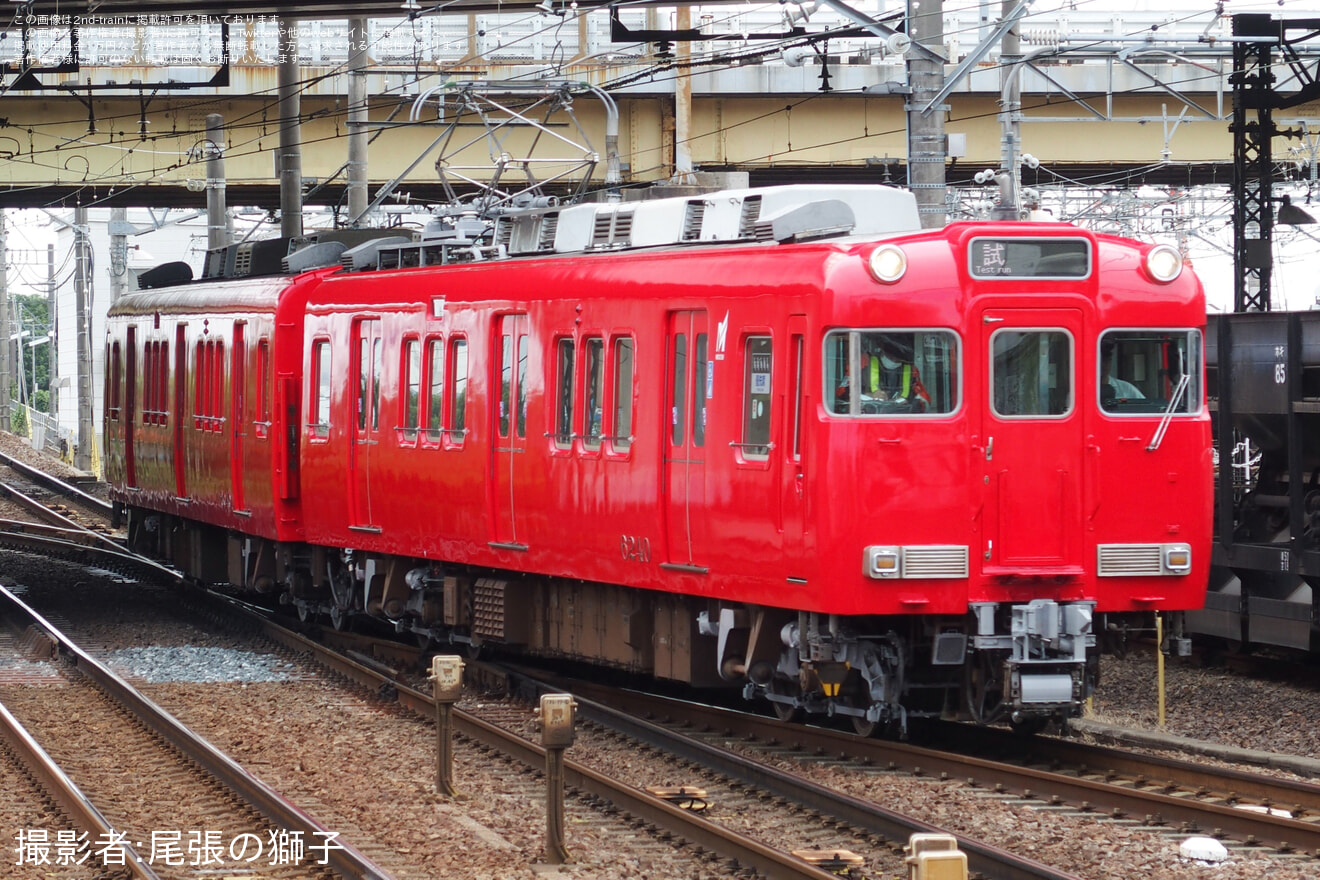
x,y
510,428
238,416
366,368
130,406
689,378
1033,443
793,484
180,407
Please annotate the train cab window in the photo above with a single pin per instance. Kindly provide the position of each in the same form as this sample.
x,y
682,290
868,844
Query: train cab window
x,y
320,415
412,386
1144,372
435,405
756,398
892,372
593,413
458,376
1031,373
621,429
564,393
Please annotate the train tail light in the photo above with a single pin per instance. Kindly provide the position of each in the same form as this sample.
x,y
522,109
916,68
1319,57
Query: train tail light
x,y
887,263
883,562
1164,263
1177,558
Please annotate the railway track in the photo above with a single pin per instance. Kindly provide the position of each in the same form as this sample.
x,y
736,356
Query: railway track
x,y
152,779
1158,792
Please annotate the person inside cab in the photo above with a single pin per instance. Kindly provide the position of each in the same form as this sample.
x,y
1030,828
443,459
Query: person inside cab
x,y
1114,388
888,372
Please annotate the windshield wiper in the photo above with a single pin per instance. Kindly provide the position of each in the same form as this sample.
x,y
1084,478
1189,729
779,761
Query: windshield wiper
x,y
1168,413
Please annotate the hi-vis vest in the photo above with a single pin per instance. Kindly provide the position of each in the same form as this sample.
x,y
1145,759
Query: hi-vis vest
x,y
905,388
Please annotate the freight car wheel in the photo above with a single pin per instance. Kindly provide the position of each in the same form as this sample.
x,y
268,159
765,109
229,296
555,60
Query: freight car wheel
x,y
787,713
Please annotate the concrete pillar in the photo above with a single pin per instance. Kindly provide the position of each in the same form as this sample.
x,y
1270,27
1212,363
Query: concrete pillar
x,y
683,100
357,119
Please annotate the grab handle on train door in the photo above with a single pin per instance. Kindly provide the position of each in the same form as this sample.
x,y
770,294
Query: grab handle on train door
x,y
989,448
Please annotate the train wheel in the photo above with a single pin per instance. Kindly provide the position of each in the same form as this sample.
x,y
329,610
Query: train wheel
x,y
339,617
786,712
862,727
303,613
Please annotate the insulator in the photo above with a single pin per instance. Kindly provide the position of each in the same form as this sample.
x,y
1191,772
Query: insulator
x,y
1041,37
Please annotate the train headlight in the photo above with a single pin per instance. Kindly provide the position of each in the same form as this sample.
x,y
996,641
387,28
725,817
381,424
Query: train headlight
x,y
1164,263
887,263
1177,558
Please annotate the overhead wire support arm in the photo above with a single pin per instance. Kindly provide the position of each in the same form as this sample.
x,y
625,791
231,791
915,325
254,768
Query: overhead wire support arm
x,y
974,57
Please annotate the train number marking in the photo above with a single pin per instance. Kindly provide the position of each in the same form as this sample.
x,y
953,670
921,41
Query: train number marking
x,y
636,549
1280,374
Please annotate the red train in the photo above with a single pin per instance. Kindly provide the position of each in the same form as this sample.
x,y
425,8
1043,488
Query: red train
x,y
775,437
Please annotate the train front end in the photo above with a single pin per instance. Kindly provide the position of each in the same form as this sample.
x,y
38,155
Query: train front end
x,y
1018,413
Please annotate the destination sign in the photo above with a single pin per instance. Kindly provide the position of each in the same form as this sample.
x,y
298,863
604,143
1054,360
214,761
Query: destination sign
x,y
1030,258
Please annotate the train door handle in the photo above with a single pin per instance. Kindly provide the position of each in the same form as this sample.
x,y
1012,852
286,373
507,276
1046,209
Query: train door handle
x,y
989,448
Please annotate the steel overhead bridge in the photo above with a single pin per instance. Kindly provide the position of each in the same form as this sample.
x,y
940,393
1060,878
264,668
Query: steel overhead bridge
x,y
117,113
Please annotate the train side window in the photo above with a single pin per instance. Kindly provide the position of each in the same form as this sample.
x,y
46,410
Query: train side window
x,y
435,360
593,413
458,376
756,397
702,376
799,352
621,428
506,381
564,397
521,399
320,415
217,385
1150,371
163,381
1031,373
412,386
680,388
116,379
263,380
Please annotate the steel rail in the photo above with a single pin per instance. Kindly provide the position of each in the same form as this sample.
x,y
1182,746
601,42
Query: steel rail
x,y
55,483
1282,832
701,832
65,792
342,857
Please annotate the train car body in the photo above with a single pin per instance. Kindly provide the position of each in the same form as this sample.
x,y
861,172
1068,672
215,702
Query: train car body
x,y
774,437
1264,385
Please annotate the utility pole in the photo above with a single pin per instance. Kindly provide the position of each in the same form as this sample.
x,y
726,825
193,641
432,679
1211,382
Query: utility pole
x,y
217,225
927,145
83,459
357,120
1010,118
52,352
290,108
118,230
4,326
